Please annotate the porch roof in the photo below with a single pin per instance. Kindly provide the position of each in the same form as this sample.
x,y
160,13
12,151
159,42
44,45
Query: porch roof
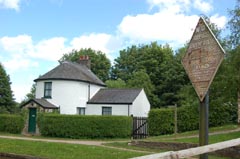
x,y
41,102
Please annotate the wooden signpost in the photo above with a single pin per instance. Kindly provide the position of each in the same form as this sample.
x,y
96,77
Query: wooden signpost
x,y
201,61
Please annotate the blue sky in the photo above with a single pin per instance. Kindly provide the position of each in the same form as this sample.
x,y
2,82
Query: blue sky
x,y
36,33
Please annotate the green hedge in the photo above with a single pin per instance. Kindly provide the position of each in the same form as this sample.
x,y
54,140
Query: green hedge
x,y
11,123
161,121
75,126
188,118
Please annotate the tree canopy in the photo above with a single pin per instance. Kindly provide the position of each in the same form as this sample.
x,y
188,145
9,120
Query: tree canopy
x,y
7,104
100,64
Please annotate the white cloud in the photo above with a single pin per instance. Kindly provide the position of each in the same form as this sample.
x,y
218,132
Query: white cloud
x,y
19,44
20,90
164,26
95,41
203,6
19,63
50,49
170,24
220,21
10,4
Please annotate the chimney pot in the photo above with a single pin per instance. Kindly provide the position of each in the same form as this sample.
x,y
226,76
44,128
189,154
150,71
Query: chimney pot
x,y
85,60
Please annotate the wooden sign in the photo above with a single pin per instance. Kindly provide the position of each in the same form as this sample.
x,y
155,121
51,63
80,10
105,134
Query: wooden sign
x,y
202,58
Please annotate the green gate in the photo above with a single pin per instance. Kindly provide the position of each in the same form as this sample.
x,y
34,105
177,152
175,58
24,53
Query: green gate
x,y
32,120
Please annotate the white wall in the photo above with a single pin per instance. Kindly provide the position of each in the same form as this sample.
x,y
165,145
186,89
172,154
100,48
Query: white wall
x,y
68,94
96,109
141,105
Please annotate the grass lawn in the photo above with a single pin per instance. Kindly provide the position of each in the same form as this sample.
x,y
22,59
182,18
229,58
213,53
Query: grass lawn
x,y
63,151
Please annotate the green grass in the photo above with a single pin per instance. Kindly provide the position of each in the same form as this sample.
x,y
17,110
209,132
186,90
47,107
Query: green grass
x,y
132,147
212,139
63,151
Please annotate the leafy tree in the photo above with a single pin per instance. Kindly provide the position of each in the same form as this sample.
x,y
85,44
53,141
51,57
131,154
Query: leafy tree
x,y
7,104
119,83
160,65
140,79
100,64
234,25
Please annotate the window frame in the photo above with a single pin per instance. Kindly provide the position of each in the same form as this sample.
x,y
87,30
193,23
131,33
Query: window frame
x,y
47,90
106,110
79,112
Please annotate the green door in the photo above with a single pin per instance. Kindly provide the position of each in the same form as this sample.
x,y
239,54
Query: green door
x,y
32,120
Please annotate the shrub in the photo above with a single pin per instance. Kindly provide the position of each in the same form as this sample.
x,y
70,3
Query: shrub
x,y
75,126
188,118
11,123
161,121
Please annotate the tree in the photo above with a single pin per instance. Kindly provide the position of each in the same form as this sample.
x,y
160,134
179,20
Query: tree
x,y
140,79
119,83
100,64
7,104
234,25
164,70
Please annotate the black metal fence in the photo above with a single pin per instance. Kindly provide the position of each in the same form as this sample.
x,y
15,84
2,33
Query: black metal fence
x,y
140,128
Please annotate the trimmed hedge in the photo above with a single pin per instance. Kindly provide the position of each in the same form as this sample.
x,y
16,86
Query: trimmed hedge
x,y
11,123
76,126
188,118
161,121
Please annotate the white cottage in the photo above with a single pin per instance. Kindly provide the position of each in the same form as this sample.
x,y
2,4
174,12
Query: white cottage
x,y
74,89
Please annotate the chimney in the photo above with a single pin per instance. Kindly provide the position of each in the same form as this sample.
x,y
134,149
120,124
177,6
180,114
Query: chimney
x,y
85,60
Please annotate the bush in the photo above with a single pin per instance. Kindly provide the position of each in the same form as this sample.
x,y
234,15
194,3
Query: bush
x,y
188,118
75,126
11,123
161,121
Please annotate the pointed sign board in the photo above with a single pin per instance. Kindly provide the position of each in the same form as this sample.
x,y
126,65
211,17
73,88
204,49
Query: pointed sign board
x,y
202,58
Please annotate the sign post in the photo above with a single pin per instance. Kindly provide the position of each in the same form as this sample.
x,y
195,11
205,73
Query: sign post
x,y
201,61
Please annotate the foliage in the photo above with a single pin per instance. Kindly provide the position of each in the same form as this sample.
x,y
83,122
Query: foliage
x,y
161,121
188,118
234,25
165,72
118,83
140,79
75,126
100,64
7,104
11,123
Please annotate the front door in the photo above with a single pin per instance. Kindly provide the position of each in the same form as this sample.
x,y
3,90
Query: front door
x,y
32,120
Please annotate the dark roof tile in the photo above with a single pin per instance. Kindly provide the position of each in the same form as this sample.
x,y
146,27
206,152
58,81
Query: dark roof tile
x,y
115,96
71,71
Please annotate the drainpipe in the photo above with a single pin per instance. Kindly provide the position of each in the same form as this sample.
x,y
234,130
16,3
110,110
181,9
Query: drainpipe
x,y
88,91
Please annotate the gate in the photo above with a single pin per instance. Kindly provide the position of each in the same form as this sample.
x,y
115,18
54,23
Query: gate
x,y
140,128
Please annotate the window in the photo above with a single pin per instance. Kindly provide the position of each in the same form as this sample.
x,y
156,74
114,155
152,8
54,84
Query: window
x,y
81,110
106,110
48,90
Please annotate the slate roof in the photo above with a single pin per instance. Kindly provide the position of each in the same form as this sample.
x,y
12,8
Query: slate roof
x,y
115,96
41,102
71,71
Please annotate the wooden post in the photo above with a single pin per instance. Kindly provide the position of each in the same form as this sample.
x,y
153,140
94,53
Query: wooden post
x,y
175,119
203,124
239,107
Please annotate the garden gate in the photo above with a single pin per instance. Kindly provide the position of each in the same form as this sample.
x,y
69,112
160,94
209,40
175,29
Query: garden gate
x,y
140,127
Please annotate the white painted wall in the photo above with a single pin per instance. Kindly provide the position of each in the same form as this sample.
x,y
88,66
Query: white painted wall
x,y
141,105
68,94
96,109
